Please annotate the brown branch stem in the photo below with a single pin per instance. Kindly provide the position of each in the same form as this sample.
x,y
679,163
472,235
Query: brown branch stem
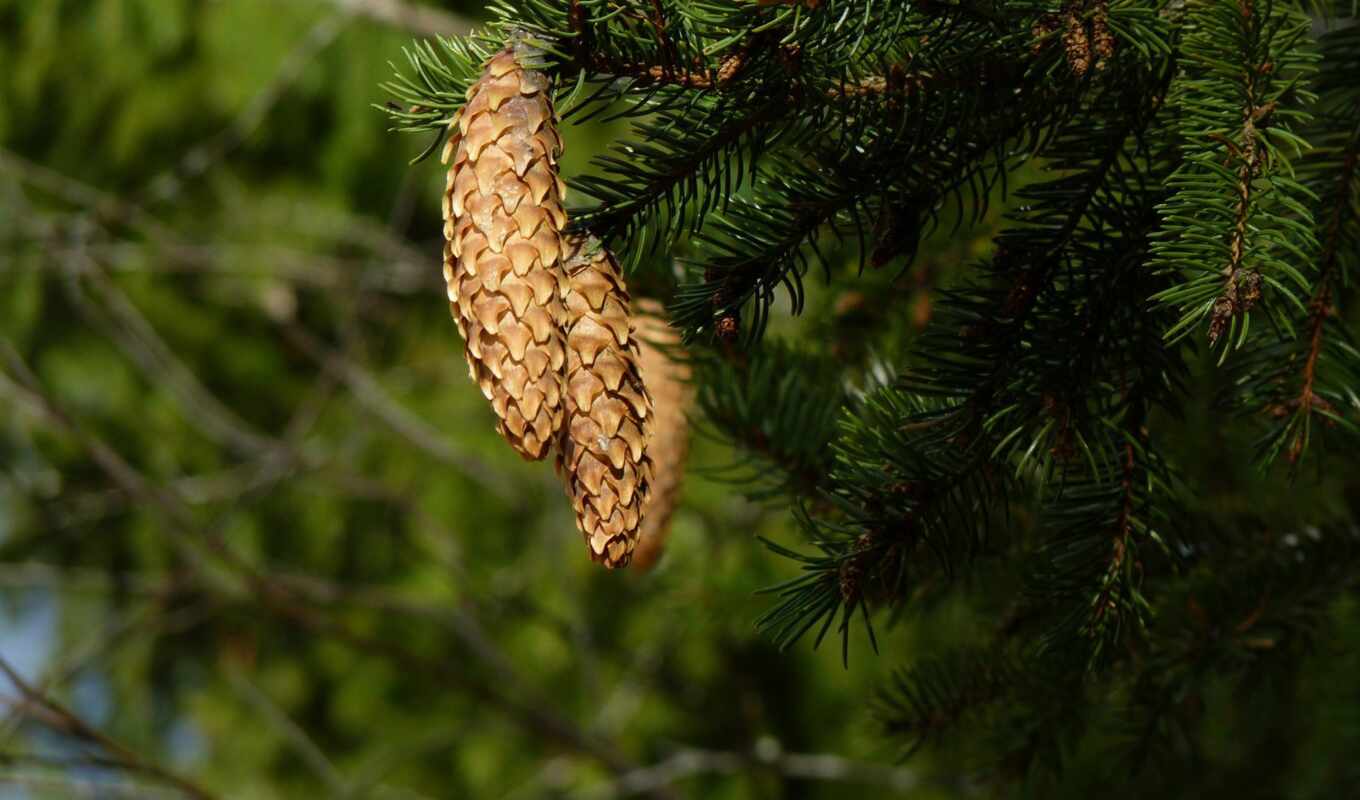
x,y
38,706
1321,305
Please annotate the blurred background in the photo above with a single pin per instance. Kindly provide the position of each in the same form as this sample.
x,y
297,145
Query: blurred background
x,y
258,537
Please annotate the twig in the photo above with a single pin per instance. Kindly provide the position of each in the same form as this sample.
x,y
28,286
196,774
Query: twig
x,y
56,780
767,756
85,650
370,394
203,156
120,320
310,751
1241,282
417,19
140,342
1321,306
42,708
104,207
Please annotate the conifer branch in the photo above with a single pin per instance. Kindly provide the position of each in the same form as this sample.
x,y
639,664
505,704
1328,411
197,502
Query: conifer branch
x,y
1242,288
1290,384
772,240
778,407
1321,306
1237,205
780,137
923,704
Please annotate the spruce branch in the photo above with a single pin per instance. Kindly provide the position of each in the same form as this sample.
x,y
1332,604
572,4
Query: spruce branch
x,y
1238,217
1293,384
778,407
924,703
917,476
758,245
1320,309
909,497
1100,533
1235,619
720,106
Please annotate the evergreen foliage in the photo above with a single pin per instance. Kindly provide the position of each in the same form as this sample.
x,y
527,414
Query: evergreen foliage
x,y
1182,216
1027,403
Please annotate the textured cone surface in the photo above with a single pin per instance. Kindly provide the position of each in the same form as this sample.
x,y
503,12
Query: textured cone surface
x,y
667,380
503,254
603,459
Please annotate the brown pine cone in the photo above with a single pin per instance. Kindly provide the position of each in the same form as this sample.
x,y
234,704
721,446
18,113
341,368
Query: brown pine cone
x,y
1077,41
603,459
503,219
667,379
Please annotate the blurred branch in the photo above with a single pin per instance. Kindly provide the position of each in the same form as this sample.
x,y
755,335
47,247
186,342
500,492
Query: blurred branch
x,y
232,483
381,599
370,394
421,20
440,543
86,649
310,752
55,780
767,756
151,619
397,749
25,388
103,206
399,274
40,708
418,19
118,317
204,156
34,574
139,341
276,595
392,266
535,717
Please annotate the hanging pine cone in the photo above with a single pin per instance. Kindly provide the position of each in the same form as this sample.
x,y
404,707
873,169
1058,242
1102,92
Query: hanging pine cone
x,y
603,459
503,218
667,380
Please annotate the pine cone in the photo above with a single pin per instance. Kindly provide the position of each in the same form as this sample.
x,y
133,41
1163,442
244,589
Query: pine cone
x,y
603,459
667,380
1076,41
503,218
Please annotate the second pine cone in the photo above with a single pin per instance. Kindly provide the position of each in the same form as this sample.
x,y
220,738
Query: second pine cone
x,y
602,458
